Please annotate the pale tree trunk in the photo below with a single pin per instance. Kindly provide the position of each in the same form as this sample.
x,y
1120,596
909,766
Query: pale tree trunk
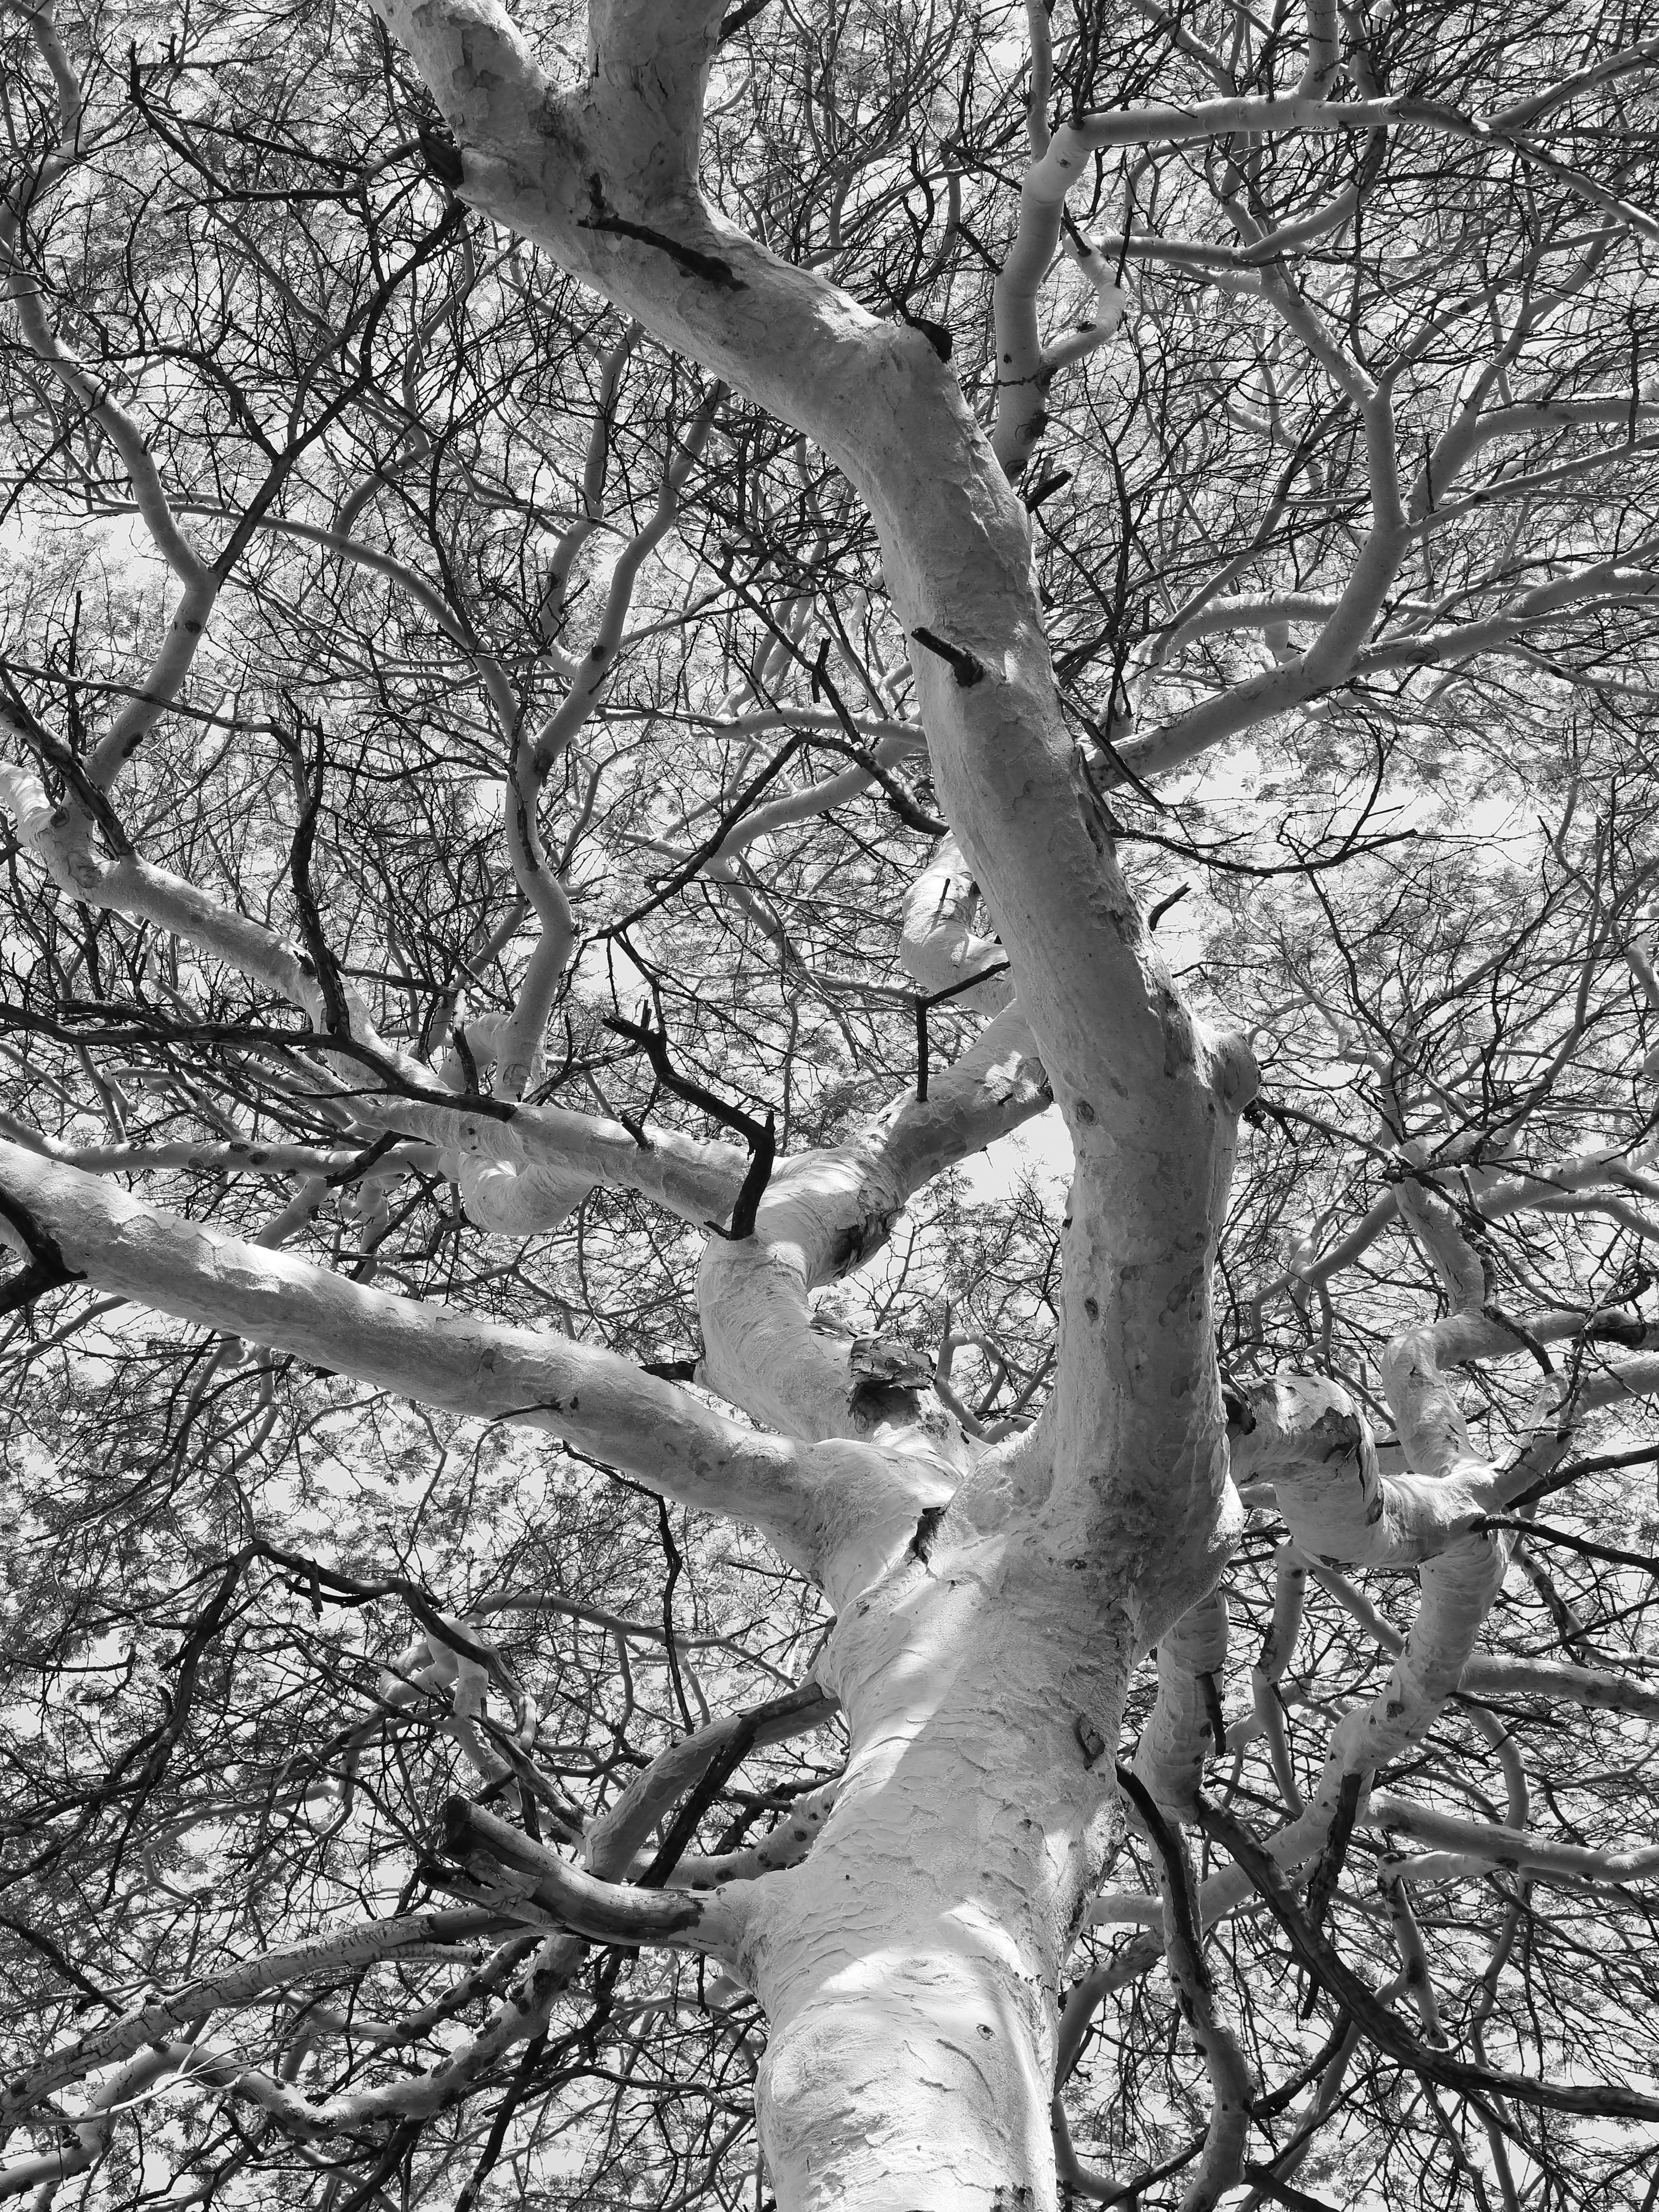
x,y
909,1968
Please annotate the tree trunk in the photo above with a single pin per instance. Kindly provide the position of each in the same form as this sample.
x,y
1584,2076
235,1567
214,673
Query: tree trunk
x,y
908,1967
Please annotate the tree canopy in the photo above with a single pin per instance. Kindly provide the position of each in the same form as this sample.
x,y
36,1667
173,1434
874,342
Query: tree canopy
x,y
828,1056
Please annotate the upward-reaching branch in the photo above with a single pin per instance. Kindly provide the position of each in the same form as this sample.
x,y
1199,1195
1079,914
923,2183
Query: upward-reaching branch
x,y
603,178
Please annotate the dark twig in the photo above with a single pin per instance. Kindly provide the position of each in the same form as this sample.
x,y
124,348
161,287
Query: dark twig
x,y
653,1043
1264,2178
464,1052
710,266
1561,1477
939,998
710,846
1233,2088
366,1160
761,1137
1546,1533
966,667
151,1029
764,1723
753,1188
67,764
1179,1885
335,1013
903,803
45,1268
1375,2020
1322,1888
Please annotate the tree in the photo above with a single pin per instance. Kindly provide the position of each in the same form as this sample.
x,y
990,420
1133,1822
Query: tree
x,y
623,639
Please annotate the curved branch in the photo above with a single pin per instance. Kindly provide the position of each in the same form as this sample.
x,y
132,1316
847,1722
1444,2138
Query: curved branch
x,y
1487,1844
509,1865
336,1954
1384,2029
428,1353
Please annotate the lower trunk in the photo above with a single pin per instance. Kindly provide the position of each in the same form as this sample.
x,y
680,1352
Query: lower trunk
x,y
910,2070
909,1967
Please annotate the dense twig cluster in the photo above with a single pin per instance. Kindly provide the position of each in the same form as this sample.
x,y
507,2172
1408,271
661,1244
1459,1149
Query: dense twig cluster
x,y
411,667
